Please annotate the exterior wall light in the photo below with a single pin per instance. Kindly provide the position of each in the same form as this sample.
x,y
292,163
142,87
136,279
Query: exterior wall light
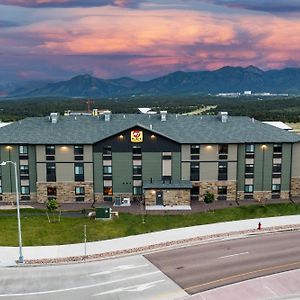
x,y
152,136
208,147
8,147
153,192
264,147
121,136
64,148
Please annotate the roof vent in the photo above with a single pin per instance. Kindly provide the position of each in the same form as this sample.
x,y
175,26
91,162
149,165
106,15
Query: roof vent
x,y
163,115
151,126
224,116
107,114
53,118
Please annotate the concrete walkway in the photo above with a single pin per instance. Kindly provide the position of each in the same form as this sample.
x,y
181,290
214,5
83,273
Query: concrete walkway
x,y
8,255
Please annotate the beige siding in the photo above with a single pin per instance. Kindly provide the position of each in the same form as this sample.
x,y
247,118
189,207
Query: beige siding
x,y
88,152
64,153
88,172
185,152
64,172
185,171
209,171
41,172
296,160
232,166
209,152
232,152
167,167
40,153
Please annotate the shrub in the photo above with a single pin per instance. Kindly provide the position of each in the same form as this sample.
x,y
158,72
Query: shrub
x,y
209,197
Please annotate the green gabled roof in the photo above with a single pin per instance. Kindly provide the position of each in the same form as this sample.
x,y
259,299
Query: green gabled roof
x,y
180,128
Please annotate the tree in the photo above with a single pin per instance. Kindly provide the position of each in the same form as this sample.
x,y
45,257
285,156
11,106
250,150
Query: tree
x,y
52,207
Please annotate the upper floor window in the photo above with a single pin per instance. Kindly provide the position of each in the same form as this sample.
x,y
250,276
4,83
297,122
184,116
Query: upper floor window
x,y
50,150
51,172
79,190
277,148
107,170
249,148
276,188
136,150
222,171
195,149
223,149
25,190
195,171
79,171
23,149
24,170
107,150
249,168
249,188
78,150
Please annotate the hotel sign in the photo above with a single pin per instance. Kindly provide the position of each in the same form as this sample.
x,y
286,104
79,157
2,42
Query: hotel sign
x,y
136,136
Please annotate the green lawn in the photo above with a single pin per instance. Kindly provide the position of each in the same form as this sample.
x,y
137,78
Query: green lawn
x,y
38,231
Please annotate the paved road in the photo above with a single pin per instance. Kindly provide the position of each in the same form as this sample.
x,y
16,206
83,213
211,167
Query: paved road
x,y
207,266
126,278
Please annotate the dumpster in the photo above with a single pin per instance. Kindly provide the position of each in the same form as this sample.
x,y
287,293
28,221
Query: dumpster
x,y
103,213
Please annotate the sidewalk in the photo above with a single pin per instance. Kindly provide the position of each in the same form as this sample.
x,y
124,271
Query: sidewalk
x,y
8,255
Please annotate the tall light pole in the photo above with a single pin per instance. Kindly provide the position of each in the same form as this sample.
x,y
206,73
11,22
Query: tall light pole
x,y
21,258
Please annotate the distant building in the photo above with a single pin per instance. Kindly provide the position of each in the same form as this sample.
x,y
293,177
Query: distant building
x,y
247,93
165,159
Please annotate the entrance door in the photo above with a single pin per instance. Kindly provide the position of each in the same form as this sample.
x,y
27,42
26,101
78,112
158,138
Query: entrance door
x,y
159,198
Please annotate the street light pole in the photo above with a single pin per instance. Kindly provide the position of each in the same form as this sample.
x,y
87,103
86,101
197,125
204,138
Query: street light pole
x,y
21,258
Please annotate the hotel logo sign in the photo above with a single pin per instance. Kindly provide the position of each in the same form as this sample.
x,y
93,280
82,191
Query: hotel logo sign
x,y
136,136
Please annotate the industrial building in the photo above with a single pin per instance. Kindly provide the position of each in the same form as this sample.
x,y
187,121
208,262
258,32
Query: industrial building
x,y
165,159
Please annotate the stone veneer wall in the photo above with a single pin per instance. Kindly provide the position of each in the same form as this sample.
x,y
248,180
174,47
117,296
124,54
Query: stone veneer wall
x,y
65,191
171,197
212,186
11,197
99,197
262,196
295,187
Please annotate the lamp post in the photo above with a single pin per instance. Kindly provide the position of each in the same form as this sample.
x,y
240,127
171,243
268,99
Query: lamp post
x,y
21,258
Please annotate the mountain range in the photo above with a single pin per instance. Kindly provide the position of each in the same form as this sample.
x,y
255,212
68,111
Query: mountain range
x,y
224,80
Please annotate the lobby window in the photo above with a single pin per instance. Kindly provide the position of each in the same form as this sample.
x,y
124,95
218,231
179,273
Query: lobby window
x,y
195,191
78,150
51,192
275,188
25,190
249,188
79,171
195,171
50,150
195,152
51,172
222,192
222,171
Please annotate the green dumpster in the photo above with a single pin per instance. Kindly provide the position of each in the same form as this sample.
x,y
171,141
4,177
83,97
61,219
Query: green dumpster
x,y
103,212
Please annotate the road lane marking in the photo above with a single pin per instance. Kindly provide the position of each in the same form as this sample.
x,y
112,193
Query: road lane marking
x,y
118,269
232,255
241,274
271,291
133,288
79,287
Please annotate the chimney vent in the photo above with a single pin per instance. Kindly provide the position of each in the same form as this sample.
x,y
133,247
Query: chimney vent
x,y
163,115
107,115
224,116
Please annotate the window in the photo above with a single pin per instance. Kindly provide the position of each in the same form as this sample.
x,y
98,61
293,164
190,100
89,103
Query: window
x,y
222,175
79,171
136,150
24,170
223,149
249,169
107,150
276,188
78,150
23,149
277,148
25,190
249,148
137,170
194,168
107,170
51,191
222,190
50,150
79,190
195,149
1,189
249,188
51,171
107,191
276,168
167,156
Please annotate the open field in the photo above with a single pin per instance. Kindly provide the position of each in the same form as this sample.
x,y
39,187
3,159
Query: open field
x,y
38,231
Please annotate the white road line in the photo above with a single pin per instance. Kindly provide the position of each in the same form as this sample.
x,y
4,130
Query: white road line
x,y
271,291
232,255
119,269
78,287
134,288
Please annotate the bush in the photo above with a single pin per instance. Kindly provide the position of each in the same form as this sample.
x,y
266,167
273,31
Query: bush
x,y
209,197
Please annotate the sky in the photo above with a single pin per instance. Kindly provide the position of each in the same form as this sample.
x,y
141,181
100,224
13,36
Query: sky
x,y
143,39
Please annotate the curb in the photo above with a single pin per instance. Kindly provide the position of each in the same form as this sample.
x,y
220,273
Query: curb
x,y
160,246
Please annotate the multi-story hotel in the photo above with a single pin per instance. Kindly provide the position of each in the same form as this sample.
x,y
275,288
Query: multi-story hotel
x,y
167,159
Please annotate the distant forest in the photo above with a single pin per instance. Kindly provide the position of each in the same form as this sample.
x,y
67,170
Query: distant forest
x,y
268,108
